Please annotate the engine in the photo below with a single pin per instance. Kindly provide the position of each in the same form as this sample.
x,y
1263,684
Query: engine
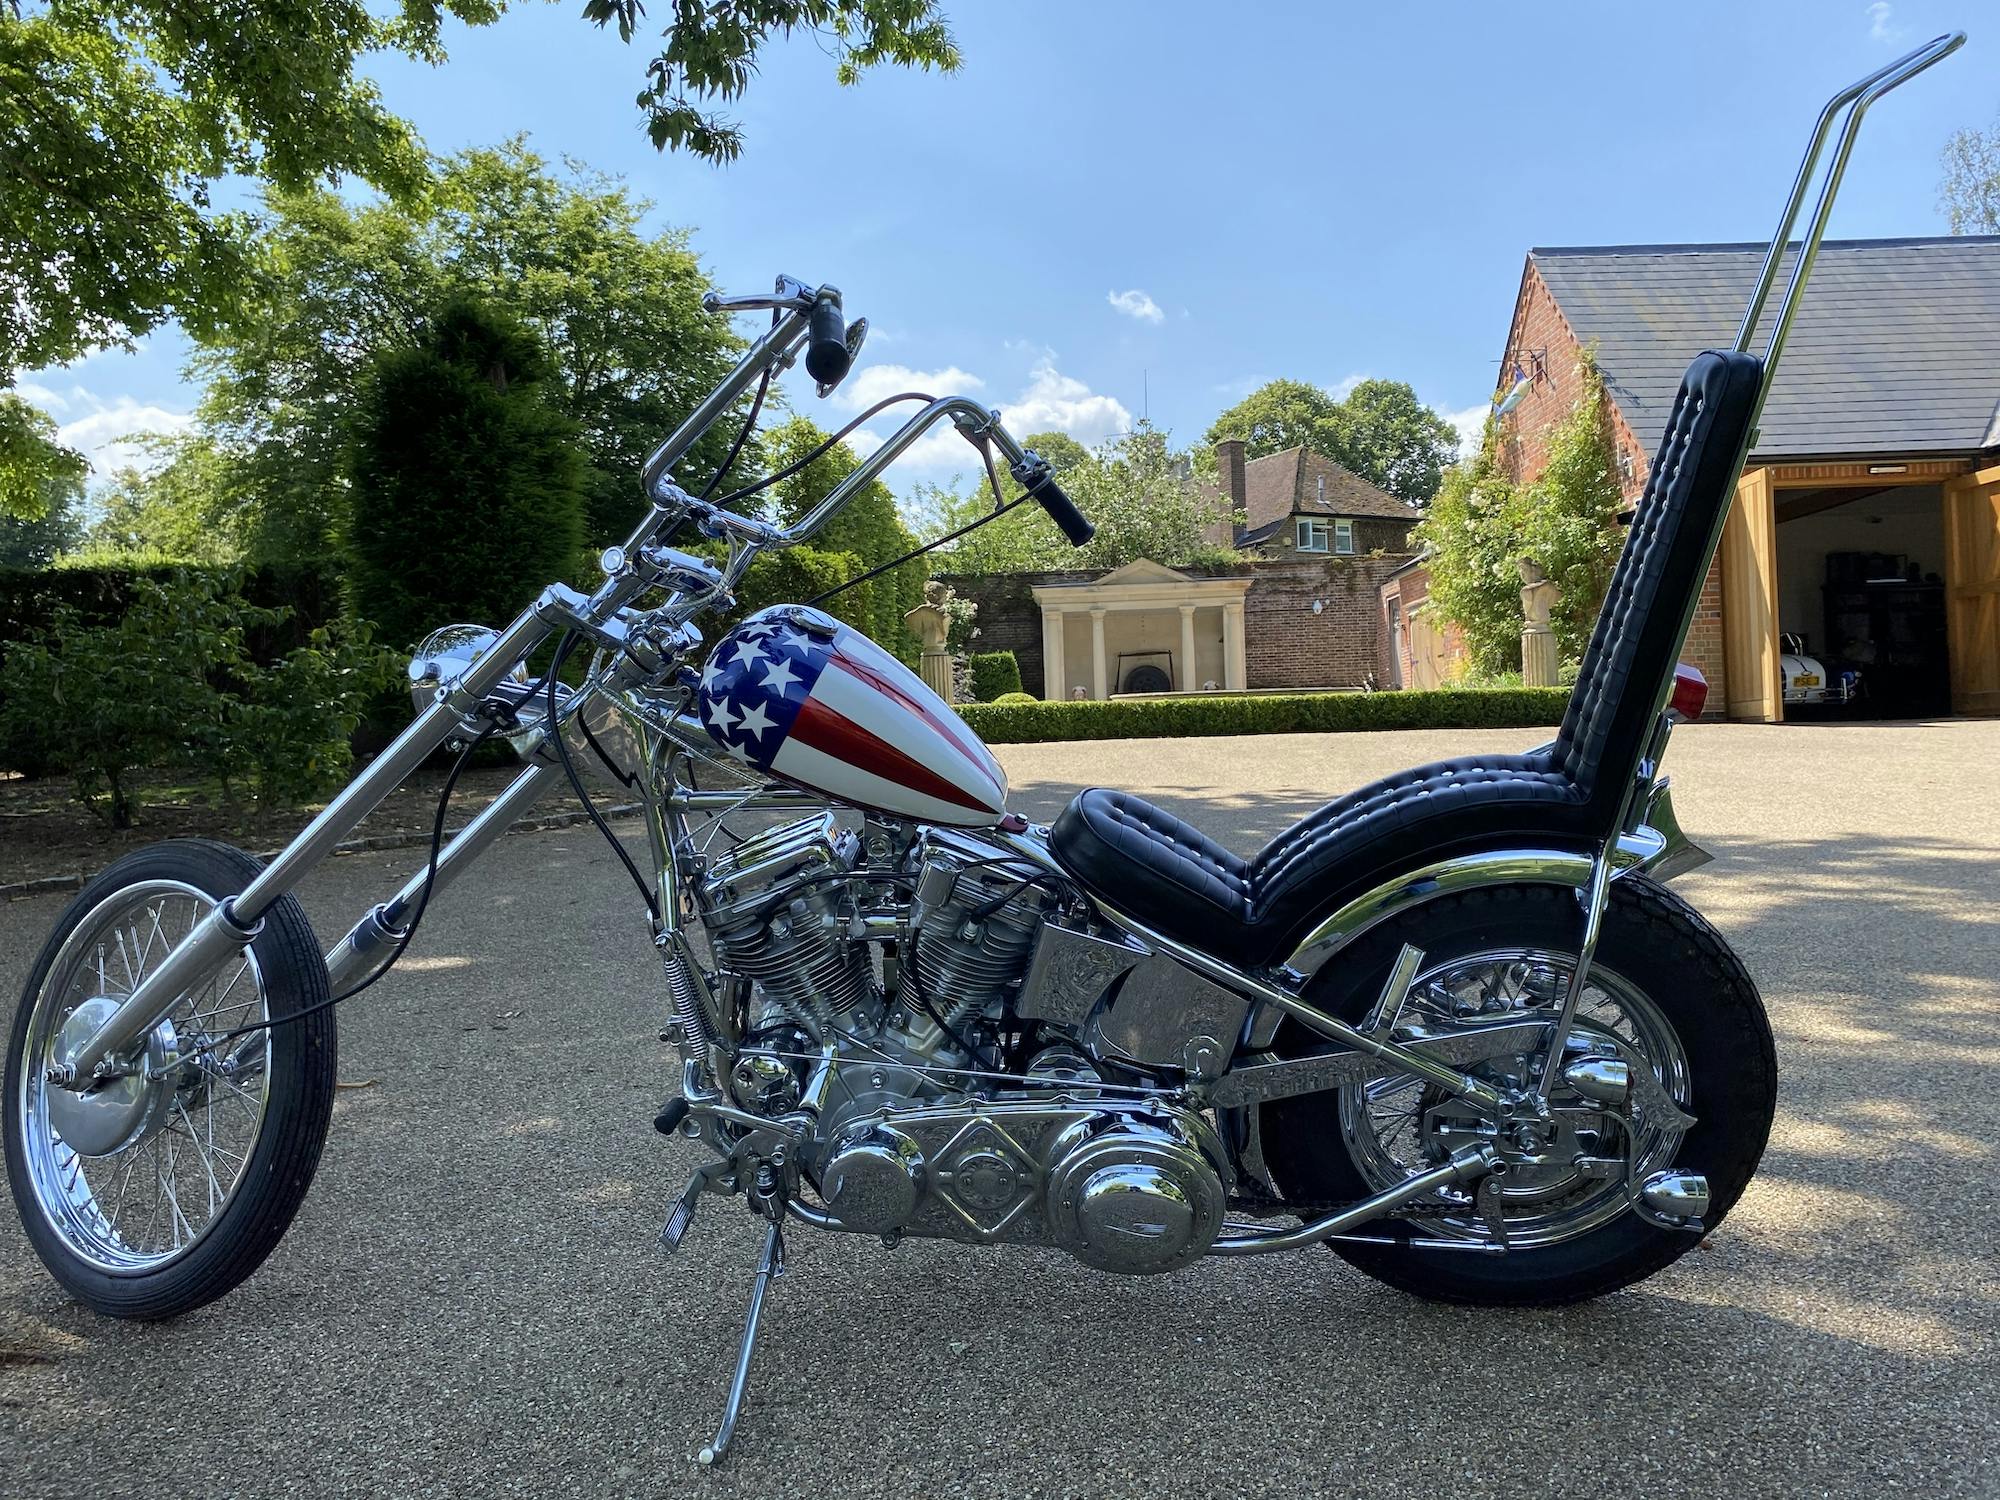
x,y
877,974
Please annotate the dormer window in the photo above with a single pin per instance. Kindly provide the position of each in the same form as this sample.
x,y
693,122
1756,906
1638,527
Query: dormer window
x,y
1316,535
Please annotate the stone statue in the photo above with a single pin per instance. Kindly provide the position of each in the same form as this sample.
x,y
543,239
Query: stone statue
x,y
1539,597
930,625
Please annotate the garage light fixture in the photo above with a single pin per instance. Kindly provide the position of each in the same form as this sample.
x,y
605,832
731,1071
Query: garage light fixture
x,y
1888,468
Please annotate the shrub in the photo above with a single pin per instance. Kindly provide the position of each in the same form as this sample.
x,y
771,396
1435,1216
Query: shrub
x,y
1302,713
468,483
1007,698
172,683
995,674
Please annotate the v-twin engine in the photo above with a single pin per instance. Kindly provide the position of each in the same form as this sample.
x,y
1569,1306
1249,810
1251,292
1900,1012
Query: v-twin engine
x,y
877,975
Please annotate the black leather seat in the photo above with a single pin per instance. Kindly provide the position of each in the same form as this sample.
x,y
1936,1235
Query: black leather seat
x,y
1146,863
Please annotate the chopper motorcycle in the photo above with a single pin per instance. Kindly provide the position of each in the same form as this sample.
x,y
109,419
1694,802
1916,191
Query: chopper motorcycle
x,y
1452,1025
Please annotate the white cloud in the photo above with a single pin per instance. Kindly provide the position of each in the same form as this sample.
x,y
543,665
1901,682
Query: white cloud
x,y
1050,402
102,429
1342,388
1881,23
1136,304
872,383
1471,424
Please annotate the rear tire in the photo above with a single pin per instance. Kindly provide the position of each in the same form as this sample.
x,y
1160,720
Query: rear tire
x,y
1654,945
239,1146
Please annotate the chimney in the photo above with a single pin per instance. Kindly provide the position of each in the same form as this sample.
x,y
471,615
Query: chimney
x,y
1229,470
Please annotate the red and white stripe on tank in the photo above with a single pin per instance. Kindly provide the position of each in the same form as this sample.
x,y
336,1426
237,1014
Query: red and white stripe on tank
x,y
796,693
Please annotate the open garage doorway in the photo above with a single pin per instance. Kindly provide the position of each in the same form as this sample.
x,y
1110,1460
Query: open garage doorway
x,y
1861,597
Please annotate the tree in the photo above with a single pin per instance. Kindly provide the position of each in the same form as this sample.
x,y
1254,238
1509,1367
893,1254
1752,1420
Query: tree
x,y
1061,450
468,482
1381,431
1136,489
617,308
1969,192
38,542
37,472
710,53
1566,521
120,122
184,507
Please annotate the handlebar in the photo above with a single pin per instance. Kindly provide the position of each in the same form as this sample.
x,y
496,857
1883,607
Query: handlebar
x,y
1045,492
827,357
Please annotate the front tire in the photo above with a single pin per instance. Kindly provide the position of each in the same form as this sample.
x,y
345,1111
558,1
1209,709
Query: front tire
x,y
179,1180
1664,987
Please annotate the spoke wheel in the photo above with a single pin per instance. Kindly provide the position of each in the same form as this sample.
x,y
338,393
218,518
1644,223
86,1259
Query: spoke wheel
x,y
163,1186
1394,1125
1664,995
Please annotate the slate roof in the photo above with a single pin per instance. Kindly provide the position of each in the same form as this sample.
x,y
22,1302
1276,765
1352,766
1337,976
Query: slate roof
x,y
1283,484
1895,350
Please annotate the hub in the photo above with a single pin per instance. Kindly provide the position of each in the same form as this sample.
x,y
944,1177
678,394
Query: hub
x,y
118,1111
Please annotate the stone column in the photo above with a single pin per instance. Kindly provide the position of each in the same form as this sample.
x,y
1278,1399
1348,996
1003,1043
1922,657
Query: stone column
x,y
1235,669
1097,687
1054,663
1187,683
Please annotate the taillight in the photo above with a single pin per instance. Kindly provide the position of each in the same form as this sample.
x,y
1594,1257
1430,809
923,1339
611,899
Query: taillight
x,y
1690,692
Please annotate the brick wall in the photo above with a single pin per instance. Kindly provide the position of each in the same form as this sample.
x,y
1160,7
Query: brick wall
x,y
1539,325
1288,646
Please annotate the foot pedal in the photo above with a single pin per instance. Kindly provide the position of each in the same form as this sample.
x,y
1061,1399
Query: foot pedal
x,y
682,1217
668,1120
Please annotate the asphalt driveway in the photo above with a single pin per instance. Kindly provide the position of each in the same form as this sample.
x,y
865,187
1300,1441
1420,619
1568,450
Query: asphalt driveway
x,y
472,1301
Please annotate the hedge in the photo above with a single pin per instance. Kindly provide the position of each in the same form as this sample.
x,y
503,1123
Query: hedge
x,y
994,673
100,594
1300,713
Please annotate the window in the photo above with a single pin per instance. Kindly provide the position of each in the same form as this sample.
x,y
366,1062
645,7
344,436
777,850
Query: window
x,y
1317,535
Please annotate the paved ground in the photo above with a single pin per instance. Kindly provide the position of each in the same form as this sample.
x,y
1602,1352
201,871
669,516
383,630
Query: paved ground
x,y
471,1302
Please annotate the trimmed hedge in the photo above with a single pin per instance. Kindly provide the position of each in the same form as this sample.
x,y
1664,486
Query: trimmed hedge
x,y
101,593
993,674
1300,713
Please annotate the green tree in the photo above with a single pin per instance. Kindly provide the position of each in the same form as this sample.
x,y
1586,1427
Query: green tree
x,y
617,308
1061,450
710,49
183,507
37,542
1136,489
868,526
38,474
468,483
1380,431
1480,525
1969,191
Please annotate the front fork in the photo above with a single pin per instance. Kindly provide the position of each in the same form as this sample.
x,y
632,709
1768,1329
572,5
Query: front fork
x,y
234,923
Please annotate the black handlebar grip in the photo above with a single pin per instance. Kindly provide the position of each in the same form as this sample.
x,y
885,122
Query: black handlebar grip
x,y
827,358
1062,510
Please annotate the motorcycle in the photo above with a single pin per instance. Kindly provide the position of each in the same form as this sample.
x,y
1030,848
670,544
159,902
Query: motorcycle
x,y
1453,1025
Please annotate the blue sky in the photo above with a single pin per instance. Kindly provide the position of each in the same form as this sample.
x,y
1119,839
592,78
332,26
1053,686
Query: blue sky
x,y
1120,208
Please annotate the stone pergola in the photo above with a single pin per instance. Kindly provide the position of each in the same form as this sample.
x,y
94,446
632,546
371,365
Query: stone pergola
x,y
1142,609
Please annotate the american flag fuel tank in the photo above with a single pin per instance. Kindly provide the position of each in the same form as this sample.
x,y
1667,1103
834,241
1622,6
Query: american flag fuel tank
x,y
798,694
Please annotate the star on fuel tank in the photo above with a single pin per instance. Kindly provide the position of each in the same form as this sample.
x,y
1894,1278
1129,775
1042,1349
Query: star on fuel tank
x,y
755,720
780,677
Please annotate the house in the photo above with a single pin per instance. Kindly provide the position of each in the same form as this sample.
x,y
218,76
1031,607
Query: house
x,y
1300,615
1867,520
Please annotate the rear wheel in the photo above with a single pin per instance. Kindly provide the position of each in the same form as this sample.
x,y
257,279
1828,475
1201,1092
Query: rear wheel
x,y
1665,994
156,1192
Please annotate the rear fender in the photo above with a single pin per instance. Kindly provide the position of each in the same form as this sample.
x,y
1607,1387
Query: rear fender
x,y
1656,847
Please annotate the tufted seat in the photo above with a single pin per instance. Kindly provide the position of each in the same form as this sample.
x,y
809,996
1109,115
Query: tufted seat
x,y
1148,864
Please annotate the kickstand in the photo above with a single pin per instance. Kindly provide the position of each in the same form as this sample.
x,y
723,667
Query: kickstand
x,y
770,1264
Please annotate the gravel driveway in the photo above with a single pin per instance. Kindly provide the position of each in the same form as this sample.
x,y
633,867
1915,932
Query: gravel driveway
x,y
472,1301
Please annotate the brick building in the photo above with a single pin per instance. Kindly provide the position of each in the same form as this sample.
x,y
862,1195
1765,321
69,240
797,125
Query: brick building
x,y
1866,526
1300,614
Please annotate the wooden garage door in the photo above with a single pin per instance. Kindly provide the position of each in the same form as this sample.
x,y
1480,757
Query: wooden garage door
x,y
1972,590
1750,601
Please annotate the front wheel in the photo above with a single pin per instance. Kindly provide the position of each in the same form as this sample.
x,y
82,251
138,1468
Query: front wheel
x,y
155,1192
1664,993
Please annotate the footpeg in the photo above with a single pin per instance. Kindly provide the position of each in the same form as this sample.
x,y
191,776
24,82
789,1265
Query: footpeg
x,y
1673,1200
682,1217
668,1120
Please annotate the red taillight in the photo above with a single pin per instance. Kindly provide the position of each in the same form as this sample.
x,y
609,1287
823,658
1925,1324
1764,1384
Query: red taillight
x,y
1690,692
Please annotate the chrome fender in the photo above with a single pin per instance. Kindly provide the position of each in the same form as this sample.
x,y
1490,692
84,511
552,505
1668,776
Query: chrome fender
x,y
1657,847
